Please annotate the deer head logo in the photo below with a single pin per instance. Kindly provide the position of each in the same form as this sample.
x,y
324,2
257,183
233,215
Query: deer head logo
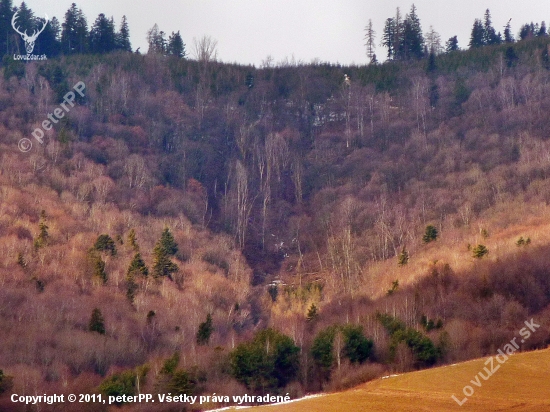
x,y
29,40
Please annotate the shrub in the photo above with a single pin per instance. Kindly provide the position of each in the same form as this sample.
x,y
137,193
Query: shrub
x,y
430,234
479,251
97,323
205,330
268,362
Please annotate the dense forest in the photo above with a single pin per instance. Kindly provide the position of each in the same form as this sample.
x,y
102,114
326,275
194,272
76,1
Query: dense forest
x,y
192,226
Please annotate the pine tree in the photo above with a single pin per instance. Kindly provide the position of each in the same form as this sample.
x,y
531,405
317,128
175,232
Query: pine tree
x,y
105,243
97,323
479,251
6,30
102,35
43,235
412,43
451,45
132,240
477,38
312,313
490,36
123,36
74,34
430,234
508,36
99,268
137,266
165,247
205,331
176,47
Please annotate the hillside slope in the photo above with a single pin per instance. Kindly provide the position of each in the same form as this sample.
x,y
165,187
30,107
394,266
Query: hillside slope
x,y
521,384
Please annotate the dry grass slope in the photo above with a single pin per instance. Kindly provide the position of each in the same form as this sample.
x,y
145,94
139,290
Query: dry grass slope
x,y
520,385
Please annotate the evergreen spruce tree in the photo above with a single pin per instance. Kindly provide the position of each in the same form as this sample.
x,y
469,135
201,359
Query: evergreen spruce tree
x,y
99,268
123,36
205,331
430,234
312,313
132,240
403,257
508,36
451,45
412,42
137,266
479,251
102,35
105,243
165,247
74,34
477,38
97,323
43,235
6,30
176,47
490,36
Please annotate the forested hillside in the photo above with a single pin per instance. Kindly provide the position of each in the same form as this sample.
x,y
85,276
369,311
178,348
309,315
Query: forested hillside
x,y
185,216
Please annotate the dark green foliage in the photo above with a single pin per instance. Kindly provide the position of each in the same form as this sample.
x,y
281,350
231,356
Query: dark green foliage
x,y
177,381
74,35
523,242
394,287
102,35
167,243
205,331
267,363
477,37
132,240
181,383
171,364
430,324
511,57
43,235
451,45
124,383
97,266
423,349
165,247
312,313
430,234
137,266
175,46
105,243
97,323
432,66
357,348
403,257
322,349
123,36
479,251
6,30
508,36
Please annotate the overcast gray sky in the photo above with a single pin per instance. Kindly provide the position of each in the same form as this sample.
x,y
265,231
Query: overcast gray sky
x,y
330,30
